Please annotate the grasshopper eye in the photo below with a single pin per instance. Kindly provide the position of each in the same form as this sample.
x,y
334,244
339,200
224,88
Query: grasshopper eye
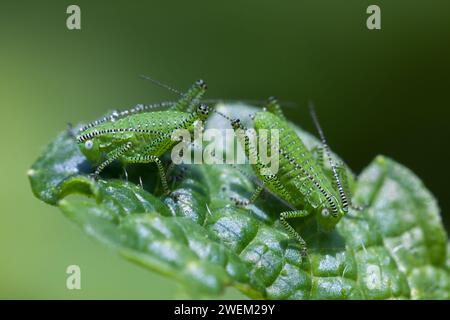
x,y
325,213
203,109
88,144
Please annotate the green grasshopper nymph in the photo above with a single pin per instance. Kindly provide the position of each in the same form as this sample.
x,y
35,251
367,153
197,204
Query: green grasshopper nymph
x,y
301,179
186,103
136,136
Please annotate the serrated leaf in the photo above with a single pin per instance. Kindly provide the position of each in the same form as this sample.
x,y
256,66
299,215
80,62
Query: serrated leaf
x,y
395,248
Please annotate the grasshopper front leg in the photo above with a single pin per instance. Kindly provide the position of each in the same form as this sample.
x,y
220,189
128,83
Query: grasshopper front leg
x,y
113,155
290,230
155,159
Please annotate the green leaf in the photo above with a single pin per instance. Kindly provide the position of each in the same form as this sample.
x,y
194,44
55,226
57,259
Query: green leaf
x,y
395,248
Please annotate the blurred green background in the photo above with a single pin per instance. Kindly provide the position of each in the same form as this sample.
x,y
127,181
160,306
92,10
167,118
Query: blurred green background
x,y
377,92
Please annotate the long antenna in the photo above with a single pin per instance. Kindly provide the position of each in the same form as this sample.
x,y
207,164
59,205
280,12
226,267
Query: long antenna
x,y
328,153
162,85
255,180
289,104
223,115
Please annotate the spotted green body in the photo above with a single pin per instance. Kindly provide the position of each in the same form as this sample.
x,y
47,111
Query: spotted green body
x,y
141,130
304,182
301,179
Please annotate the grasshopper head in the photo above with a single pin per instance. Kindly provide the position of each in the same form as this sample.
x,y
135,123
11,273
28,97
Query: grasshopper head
x,y
203,111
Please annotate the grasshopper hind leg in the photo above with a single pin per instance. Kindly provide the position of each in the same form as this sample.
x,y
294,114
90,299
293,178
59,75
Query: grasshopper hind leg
x,y
284,216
